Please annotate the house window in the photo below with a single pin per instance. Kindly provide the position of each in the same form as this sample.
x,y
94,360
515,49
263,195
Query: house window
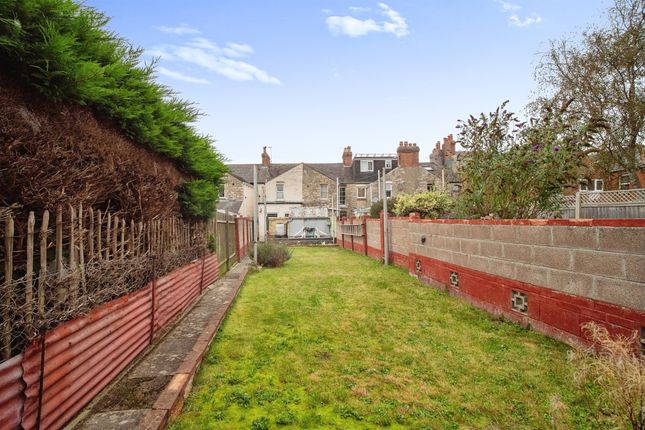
x,y
388,189
221,191
593,185
624,182
367,166
279,191
324,191
429,187
361,193
598,185
341,194
388,164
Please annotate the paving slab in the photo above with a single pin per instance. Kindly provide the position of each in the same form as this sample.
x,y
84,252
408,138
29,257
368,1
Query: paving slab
x,y
154,389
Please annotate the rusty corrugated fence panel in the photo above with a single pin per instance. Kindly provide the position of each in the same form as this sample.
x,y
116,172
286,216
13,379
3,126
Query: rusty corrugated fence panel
x,y
211,271
176,292
11,388
82,356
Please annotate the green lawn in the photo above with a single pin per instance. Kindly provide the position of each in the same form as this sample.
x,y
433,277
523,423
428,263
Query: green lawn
x,y
334,340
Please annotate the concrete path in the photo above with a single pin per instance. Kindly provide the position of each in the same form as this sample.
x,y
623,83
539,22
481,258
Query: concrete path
x,y
155,387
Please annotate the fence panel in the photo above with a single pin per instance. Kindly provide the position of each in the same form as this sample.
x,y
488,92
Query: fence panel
x,y
605,204
52,271
11,392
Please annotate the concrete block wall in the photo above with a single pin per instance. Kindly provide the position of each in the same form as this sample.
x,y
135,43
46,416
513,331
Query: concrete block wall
x,y
399,241
566,272
597,262
374,238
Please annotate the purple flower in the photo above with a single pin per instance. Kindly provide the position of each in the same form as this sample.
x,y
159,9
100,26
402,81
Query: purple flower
x,y
536,147
556,149
530,161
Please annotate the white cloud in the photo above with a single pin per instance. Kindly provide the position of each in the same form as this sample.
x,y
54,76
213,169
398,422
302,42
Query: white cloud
x,y
515,21
180,76
355,27
350,26
181,30
397,25
206,54
238,50
508,6
359,9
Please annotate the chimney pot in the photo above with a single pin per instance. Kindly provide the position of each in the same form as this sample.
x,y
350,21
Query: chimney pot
x,y
347,156
266,159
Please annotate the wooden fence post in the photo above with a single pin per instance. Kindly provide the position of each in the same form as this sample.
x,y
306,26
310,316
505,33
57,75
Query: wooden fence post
x,y
29,276
72,255
8,290
226,240
42,267
81,250
365,235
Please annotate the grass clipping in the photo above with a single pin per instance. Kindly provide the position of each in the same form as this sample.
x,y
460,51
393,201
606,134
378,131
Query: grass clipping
x,y
619,369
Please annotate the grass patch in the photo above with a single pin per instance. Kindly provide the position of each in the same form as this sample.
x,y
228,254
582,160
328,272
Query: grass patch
x,y
334,340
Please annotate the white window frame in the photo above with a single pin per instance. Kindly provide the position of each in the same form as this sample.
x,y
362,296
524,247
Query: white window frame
x,y
367,165
279,190
583,185
358,193
324,195
624,181
388,164
388,189
598,185
222,192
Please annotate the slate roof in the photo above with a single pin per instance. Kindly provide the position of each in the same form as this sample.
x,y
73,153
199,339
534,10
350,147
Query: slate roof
x,y
231,205
346,175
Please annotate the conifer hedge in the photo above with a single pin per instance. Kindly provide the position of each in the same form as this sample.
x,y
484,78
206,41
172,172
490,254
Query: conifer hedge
x,y
65,52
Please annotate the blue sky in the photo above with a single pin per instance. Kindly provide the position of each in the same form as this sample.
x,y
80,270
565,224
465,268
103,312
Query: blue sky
x,y
308,77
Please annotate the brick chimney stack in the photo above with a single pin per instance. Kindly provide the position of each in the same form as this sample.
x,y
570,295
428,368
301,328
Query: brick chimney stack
x,y
408,154
448,146
347,156
266,159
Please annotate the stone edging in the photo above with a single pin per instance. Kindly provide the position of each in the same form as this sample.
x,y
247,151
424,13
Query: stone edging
x,y
171,399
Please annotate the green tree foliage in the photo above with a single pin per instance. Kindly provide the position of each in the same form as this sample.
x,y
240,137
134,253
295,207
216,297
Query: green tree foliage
x,y
64,51
602,77
429,204
515,169
198,198
377,207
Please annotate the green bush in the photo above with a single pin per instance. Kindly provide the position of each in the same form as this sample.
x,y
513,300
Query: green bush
x,y
64,51
198,198
377,207
516,169
429,204
272,254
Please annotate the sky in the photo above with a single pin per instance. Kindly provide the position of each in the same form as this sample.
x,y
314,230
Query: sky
x,y
308,77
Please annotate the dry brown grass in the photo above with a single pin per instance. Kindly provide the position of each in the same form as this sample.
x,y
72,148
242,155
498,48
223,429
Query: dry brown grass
x,y
616,365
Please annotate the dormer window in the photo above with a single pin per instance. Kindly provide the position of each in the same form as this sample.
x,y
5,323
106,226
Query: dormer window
x,y
367,166
388,164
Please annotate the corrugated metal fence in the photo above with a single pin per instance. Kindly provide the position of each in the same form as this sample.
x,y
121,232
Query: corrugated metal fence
x,y
46,387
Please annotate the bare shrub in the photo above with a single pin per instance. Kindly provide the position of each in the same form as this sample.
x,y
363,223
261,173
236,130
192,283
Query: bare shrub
x,y
273,254
617,367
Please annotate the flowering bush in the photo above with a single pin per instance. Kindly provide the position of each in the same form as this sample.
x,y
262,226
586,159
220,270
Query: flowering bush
x,y
514,169
430,204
